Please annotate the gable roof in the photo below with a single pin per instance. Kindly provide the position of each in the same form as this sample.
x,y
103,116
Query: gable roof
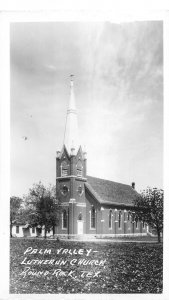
x,y
110,192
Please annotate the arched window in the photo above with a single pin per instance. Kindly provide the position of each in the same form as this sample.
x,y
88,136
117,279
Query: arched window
x,y
115,215
80,190
64,168
119,219
110,218
79,168
124,215
64,190
64,219
80,217
136,220
93,217
132,217
136,224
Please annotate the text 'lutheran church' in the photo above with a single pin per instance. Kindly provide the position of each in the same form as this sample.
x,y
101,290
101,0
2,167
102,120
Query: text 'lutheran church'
x,y
89,205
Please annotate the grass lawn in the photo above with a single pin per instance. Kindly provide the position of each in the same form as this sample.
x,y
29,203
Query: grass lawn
x,y
93,267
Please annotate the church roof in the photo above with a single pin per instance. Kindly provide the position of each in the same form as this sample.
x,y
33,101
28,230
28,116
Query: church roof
x,y
110,192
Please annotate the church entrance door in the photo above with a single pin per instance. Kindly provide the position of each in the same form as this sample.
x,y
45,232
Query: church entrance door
x,y
79,227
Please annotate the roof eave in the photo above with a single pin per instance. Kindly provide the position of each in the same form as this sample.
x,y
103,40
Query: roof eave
x,y
117,204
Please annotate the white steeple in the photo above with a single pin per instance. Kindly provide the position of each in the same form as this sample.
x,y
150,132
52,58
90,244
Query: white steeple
x,y
71,139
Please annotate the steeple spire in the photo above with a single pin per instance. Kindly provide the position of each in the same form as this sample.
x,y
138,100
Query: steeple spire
x,y
72,96
71,139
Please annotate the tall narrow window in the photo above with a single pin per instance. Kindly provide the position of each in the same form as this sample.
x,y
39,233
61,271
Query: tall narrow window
x,y
136,224
17,229
79,168
143,224
115,215
64,219
33,229
119,219
128,216
124,216
93,217
64,168
132,218
110,218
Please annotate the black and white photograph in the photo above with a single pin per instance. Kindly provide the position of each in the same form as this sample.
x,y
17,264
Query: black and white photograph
x,y
86,157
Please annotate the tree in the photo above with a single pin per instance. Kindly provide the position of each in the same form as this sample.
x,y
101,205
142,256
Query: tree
x,y
42,207
15,206
149,208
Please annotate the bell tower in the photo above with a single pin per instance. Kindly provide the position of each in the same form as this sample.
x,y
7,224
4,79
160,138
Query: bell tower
x,y
71,174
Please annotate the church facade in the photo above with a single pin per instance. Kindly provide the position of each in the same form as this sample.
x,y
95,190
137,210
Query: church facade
x,y
89,205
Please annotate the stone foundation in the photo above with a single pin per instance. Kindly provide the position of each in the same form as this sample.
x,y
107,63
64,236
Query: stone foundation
x,y
95,236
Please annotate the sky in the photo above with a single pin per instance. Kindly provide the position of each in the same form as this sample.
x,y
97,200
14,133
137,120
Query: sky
x,y
118,86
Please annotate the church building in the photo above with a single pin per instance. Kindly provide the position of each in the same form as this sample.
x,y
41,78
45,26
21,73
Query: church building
x,y
90,206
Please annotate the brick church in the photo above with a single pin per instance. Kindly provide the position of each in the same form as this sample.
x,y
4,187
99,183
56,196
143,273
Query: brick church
x,y
89,205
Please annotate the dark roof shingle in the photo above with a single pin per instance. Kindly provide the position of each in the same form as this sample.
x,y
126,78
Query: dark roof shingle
x,y
109,192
